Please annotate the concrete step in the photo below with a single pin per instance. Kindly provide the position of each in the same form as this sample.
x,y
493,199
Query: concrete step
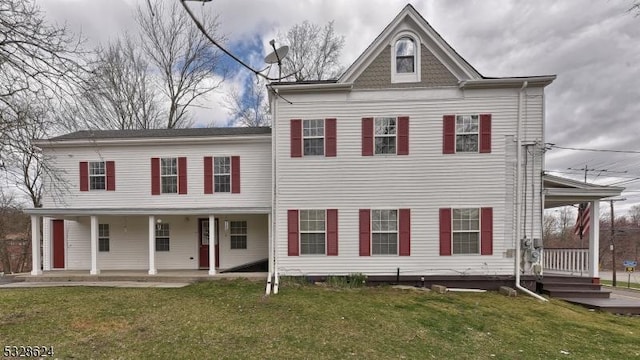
x,y
569,293
572,286
563,279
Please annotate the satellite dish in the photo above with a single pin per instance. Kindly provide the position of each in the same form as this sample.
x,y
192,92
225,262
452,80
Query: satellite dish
x,y
276,56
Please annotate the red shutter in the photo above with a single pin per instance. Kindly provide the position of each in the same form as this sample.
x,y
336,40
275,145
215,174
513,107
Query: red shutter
x,y
485,133
365,232
111,175
84,176
449,134
293,233
405,232
208,175
182,175
296,138
332,232
330,137
403,135
486,231
235,174
367,136
445,232
155,176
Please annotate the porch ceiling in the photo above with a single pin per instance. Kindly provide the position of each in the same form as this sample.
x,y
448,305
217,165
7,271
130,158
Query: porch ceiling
x,y
559,191
146,211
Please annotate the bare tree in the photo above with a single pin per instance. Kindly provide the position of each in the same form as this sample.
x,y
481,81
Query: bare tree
x,y
249,107
14,231
184,60
314,51
25,165
120,94
35,58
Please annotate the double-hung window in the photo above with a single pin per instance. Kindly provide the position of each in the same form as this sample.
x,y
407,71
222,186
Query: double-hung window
x,y
312,232
169,175
222,174
385,135
405,55
103,237
467,133
466,231
313,137
162,237
238,233
384,232
97,175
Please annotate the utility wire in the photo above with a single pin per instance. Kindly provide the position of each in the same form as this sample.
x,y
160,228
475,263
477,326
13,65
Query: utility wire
x,y
595,150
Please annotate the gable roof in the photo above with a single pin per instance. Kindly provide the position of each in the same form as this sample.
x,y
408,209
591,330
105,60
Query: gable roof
x,y
431,38
162,133
560,191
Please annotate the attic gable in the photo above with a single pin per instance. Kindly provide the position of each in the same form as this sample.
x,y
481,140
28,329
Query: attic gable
x,y
435,63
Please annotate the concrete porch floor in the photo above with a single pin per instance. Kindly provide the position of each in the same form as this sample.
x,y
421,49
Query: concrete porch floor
x,y
163,276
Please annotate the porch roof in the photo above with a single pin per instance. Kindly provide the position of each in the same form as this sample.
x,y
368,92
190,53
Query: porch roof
x,y
146,211
559,191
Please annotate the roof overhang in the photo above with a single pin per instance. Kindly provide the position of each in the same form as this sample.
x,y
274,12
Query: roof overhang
x,y
487,83
315,87
73,212
45,143
559,191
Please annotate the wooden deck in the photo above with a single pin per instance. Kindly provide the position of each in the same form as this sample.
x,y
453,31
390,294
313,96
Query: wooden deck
x,y
582,291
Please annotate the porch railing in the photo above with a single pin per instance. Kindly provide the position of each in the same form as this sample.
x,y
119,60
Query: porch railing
x,y
570,261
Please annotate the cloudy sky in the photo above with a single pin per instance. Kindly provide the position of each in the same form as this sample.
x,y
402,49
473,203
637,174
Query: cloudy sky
x,y
592,46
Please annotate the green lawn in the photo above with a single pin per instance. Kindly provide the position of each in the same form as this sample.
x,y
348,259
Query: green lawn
x,y
232,319
621,283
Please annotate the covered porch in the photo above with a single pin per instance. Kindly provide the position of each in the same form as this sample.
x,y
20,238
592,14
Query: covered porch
x,y
558,192
92,241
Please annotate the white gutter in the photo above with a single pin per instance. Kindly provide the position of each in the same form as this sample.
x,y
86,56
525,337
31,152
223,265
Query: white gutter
x,y
151,140
519,195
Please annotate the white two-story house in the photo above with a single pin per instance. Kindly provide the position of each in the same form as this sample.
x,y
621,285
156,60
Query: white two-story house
x,y
411,163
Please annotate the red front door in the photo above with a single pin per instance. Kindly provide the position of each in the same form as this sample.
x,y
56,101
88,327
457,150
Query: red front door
x,y
203,242
58,244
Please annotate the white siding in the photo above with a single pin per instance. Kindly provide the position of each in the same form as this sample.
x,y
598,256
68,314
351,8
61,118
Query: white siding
x,y
129,243
133,176
424,181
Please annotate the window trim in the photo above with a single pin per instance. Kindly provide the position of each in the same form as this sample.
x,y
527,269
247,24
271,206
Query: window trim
x,y
177,175
103,175
395,136
455,136
216,174
300,232
168,237
323,137
479,231
102,238
406,77
245,234
397,231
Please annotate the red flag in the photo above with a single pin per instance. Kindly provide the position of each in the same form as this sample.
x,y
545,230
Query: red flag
x,y
583,221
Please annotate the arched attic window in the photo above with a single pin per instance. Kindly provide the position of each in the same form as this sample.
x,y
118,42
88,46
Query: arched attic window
x,y
405,58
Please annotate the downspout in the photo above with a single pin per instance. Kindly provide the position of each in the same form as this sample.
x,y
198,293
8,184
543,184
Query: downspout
x,y
274,149
519,195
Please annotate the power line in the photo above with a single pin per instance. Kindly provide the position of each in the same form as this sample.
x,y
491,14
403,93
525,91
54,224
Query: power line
x,y
554,146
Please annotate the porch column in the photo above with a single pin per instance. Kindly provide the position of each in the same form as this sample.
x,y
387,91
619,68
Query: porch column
x,y
152,245
270,229
94,246
594,240
212,245
35,245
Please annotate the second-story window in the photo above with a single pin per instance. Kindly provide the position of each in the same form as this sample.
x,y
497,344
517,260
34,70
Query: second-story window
x,y
97,175
405,55
313,135
222,174
385,135
467,133
169,175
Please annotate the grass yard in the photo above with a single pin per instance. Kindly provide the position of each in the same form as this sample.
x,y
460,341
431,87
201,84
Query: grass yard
x,y
231,319
621,283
